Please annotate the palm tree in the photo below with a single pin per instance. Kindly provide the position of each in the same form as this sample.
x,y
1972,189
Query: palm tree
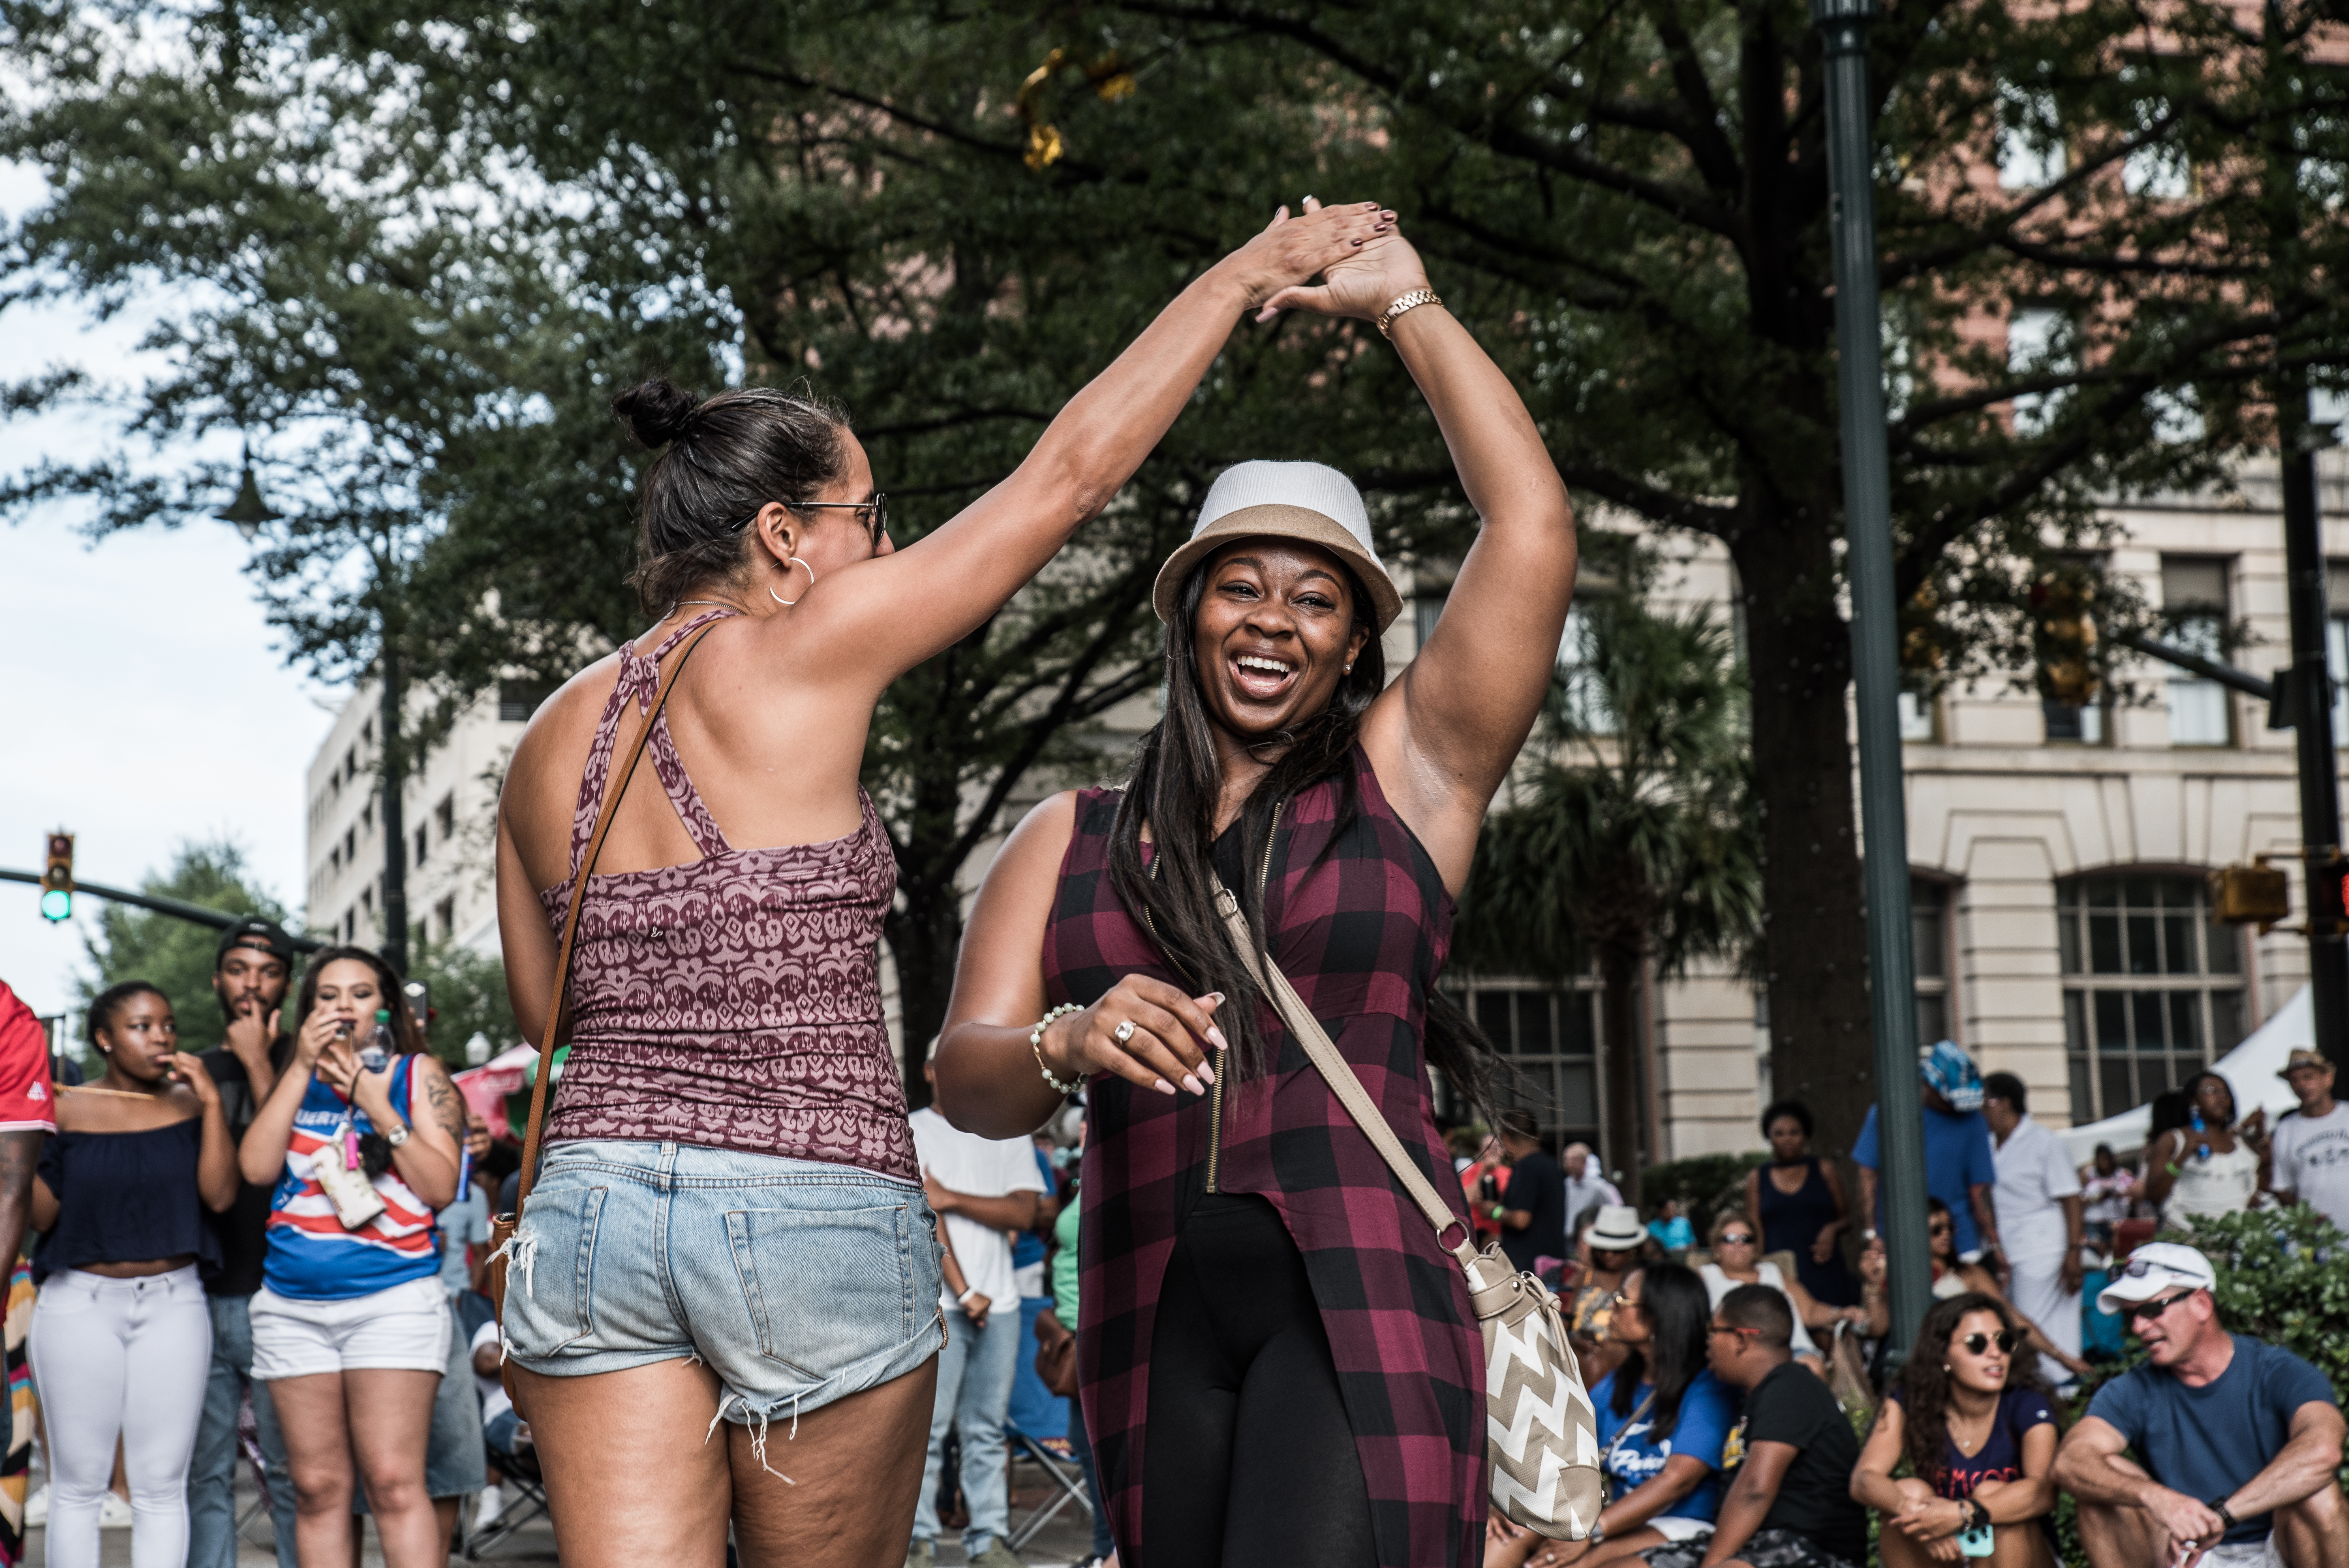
x,y
1631,839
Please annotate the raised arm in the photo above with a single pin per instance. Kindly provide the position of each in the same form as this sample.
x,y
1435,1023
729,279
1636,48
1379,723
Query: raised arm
x,y
963,571
1444,735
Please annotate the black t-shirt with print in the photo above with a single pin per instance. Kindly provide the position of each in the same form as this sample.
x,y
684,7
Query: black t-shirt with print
x,y
1793,1406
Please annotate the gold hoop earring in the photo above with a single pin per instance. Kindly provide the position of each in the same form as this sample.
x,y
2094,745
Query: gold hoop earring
x,y
803,566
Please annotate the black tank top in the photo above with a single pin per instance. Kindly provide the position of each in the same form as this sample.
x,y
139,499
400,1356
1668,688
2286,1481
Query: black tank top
x,y
125,1197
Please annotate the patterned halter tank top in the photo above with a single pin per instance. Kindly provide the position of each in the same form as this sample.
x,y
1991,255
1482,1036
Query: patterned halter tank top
x,y
733,1001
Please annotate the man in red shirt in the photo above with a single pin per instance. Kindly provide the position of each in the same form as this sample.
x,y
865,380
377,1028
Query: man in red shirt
x,y
28,1115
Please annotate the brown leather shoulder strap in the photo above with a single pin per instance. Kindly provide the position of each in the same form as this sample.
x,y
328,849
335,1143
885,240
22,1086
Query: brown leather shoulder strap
x,y
556,1008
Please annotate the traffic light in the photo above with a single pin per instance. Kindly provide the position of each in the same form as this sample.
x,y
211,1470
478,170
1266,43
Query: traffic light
x,y
56,878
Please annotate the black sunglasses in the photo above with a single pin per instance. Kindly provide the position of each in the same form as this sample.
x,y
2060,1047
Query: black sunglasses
x,y
2006,1339
878,506
1736,1239
2142,1311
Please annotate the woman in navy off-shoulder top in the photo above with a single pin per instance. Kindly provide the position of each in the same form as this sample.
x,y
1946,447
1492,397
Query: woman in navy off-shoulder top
x,y
120,1325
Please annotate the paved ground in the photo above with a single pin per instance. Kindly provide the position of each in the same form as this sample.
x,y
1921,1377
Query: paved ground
x,y
1066,1538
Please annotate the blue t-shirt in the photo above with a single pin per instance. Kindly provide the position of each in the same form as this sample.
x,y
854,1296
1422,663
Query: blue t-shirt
x,y
2000,1458
1956,1160
2208,1442
1708,1411
1674,1235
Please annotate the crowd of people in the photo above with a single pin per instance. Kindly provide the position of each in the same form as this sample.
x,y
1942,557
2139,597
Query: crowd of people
x,y
741,1266
275,1225
1722,1375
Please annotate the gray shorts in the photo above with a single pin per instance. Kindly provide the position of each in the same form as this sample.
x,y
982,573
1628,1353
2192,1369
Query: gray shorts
x,y
1764,1549
798,1281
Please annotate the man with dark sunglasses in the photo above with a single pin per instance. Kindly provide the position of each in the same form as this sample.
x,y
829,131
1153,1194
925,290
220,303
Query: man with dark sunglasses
x,y
2237,1438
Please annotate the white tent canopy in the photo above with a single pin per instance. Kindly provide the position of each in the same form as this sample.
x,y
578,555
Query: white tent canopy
x,y
2251,1067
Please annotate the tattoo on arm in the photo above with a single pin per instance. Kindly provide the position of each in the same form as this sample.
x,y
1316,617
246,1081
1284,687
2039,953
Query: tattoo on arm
x,y
447,1106
20,1155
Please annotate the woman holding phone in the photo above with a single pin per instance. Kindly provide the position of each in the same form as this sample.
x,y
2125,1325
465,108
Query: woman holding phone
x,y
122,1337
729,1229
351,1329
1250,1239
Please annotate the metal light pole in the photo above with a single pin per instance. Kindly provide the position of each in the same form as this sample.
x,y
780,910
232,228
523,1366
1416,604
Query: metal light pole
x,y
1868,521
2309,690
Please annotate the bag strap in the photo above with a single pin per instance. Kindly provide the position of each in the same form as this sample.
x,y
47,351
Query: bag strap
x,y
1625,1429
1323,1053
556,1010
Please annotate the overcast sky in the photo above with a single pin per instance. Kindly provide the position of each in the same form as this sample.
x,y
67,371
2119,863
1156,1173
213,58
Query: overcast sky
x,y
144,702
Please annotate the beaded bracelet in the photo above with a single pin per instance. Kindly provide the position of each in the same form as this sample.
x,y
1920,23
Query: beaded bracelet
x,y
1036,1044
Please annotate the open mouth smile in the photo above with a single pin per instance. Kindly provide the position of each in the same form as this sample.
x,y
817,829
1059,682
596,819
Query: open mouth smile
x,y
1262,677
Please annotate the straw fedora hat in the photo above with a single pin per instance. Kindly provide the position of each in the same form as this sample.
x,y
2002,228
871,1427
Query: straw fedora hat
x,y
1308,501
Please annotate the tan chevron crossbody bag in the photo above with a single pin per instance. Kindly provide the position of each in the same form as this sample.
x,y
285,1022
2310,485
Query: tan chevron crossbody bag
x,y
1540,1430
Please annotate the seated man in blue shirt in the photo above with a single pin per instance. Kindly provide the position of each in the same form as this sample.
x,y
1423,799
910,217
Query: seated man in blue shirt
x,y
2239,1439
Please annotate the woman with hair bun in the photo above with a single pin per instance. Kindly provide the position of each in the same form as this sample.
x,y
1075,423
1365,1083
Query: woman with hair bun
x,y
728,1231
122,1337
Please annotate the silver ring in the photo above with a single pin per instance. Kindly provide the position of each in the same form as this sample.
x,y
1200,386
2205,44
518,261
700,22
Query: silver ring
x,y
1123,1032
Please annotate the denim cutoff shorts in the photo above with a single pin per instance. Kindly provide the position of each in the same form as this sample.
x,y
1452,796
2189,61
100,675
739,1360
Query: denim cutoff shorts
x,y
798,1281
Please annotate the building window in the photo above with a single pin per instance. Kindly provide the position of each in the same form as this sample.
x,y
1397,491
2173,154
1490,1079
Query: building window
x,y
2336,642
351,923
517,700
2031,152
2153,988
1426,608
2083,724
1928,942
1584,699
350,846
446,912
1917,717
2194,598
419,846
1551,1038
444,817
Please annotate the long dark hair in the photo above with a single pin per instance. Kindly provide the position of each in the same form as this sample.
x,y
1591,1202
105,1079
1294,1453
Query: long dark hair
x,y
1176,787
1925,1378
1680,1316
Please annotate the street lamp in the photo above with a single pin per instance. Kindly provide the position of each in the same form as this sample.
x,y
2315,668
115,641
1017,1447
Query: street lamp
x,y
1876,661
248,510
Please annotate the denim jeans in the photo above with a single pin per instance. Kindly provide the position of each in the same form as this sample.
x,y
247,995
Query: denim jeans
x,y
211,1473
974,1394
1080,1441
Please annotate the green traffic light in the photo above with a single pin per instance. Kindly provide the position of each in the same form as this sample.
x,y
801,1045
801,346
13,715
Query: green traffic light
x,y
56,904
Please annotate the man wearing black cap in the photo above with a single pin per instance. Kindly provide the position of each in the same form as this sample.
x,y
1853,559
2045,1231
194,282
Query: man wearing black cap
x,y
250,972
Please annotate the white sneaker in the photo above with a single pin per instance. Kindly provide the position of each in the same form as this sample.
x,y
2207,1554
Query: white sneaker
x,y
493,1503
113,1513
37,1508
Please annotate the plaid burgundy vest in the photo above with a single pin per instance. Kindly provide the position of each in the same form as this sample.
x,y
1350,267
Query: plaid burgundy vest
x,y
1360,919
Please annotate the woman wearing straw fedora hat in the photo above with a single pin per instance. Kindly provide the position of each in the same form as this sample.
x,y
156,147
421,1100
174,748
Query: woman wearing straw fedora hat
x,y
1247,1252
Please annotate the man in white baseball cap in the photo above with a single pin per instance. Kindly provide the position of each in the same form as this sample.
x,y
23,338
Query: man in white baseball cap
x,y
2239,1439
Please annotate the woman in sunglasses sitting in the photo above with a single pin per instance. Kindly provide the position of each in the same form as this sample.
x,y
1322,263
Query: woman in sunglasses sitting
x,y
1978,1428
1954,1278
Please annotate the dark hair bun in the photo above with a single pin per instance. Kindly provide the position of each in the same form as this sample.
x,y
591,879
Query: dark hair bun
x,y
657,411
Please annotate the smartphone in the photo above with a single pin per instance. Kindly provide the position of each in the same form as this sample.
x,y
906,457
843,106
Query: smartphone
x,y
1975,1543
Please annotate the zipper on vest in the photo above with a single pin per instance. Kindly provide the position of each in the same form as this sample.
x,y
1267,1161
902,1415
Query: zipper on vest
x,y
1223,1058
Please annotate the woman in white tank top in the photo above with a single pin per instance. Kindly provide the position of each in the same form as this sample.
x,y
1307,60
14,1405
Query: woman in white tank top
x,y
2209,1167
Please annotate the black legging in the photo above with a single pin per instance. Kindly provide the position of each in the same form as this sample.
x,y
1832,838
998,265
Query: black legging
x,y
1250,1459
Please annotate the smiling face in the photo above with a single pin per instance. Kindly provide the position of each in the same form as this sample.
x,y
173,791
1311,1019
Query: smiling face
x,y
1734,1249
1276,630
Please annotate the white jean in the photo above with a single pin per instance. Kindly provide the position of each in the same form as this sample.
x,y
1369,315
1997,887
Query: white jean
x,y
127,1358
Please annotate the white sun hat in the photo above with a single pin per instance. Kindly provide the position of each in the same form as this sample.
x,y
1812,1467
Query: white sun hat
x,y
1308,501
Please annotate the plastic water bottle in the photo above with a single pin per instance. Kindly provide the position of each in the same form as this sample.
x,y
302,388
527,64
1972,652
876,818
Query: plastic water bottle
x,y
377,1053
